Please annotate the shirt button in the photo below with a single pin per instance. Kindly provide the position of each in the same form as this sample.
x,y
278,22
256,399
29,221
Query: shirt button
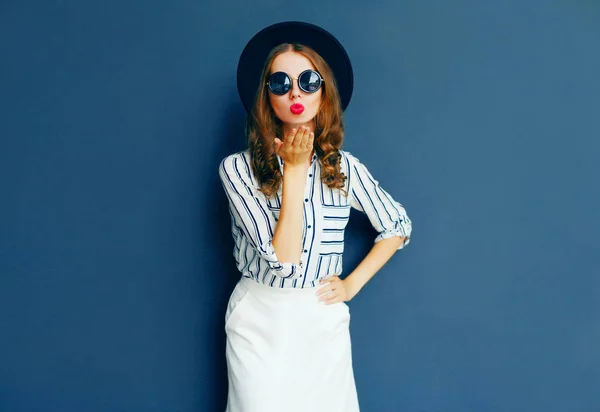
x,y
306,200
305,251
310,175
309,226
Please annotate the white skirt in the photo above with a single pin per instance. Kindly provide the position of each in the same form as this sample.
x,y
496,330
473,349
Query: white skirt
x,y
287,351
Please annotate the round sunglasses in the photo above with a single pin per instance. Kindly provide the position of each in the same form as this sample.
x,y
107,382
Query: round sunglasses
x,y
309,81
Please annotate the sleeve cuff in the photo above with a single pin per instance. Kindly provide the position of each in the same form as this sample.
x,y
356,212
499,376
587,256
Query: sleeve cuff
x,y
403,228
282,269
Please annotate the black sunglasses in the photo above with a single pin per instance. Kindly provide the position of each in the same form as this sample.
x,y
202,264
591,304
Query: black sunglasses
x,y
280,83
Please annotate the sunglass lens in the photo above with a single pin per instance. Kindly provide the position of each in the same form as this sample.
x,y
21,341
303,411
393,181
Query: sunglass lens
x,y
310,81
279,83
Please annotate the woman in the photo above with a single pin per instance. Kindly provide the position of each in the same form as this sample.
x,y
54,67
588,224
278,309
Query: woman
x,y
290,194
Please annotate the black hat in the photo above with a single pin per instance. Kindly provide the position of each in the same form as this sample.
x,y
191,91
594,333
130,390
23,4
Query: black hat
x,y
258,48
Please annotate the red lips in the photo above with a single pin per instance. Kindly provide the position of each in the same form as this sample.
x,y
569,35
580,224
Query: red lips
x,y
296,108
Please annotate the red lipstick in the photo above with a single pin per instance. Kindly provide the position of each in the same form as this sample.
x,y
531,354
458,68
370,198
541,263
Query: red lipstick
x,y
296,108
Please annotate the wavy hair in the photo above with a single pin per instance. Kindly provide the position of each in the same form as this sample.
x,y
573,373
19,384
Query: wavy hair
x,y
262,126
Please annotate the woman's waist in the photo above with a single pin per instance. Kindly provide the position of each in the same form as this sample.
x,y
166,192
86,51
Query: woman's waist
x,y
284,293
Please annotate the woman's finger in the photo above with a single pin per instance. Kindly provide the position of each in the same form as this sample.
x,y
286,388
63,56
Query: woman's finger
x,y
324,290
332,298
306,143
301,140
333,278
289,140
310,142
278,144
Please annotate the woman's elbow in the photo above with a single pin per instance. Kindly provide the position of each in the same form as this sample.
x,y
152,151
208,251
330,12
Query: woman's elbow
x,y
398,241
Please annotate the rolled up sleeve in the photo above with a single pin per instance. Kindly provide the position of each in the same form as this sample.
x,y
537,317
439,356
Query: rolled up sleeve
x,y
387,216
250,213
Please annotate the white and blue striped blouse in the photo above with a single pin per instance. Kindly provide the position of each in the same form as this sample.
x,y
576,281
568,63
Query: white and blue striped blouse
x,y
326,212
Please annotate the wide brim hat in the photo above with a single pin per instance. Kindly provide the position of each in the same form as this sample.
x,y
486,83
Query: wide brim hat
x,y
257,50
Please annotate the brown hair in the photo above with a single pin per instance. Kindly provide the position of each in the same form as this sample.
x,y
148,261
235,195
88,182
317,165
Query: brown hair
x,y
262,126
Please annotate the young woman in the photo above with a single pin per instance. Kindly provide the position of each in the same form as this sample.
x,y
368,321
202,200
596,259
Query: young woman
x,y
290,194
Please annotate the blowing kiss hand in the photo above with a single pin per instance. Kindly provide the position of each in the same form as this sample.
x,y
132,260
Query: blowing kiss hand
x,y
296,148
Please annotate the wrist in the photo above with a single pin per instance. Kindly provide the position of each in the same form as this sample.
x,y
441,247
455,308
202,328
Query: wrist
x,y
352,288
294,172
295,168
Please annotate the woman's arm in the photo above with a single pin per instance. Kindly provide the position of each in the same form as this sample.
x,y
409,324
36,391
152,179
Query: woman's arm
x,y
381,252
337,290
287,240
251,215
294,151
386,215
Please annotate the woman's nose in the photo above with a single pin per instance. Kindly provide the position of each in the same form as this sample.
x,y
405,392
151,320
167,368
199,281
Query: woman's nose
x,y
295,90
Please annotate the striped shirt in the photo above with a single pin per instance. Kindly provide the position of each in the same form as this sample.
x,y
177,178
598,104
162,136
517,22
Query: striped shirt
x,y
326,212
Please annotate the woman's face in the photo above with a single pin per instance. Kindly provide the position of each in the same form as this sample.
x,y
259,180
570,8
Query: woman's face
x,y
294,63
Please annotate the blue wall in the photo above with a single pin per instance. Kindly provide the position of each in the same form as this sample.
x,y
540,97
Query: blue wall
x,y
482,118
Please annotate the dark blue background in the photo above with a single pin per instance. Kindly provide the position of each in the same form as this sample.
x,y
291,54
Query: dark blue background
x,y
481,117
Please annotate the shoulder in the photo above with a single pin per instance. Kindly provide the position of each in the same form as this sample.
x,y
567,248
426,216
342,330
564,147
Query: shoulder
x,y
356,170
241,156
236,165
348,159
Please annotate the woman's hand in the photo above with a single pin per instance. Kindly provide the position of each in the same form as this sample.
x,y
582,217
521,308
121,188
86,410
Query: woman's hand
x,y
296,148
334,291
